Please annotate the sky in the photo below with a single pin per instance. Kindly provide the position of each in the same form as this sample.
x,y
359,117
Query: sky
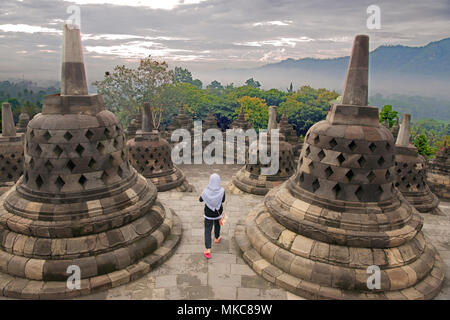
x,y
205,35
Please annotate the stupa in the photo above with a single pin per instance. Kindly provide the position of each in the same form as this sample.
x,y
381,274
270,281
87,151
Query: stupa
x,y
210,122
80,209
289,132
134,125
240,122
11,151
438,173
24,118
250,179
339,224
410,172
150,155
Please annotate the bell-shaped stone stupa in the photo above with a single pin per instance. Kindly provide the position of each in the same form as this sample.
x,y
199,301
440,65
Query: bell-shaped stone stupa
x,y
150,155
24,118
326,231
410,172
80,209
11,151
250,178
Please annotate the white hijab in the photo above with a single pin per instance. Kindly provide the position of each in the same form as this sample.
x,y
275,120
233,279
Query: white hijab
x,y
213,193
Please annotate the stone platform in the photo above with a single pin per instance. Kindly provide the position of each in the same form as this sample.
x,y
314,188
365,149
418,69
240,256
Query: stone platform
x,y
188,275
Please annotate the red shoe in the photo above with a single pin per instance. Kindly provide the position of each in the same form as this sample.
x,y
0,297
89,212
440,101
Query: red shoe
x,y
218,240
207,255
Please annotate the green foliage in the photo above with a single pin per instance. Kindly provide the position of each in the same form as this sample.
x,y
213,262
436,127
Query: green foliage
x,y
252,83
256,111
125,89
274,97
185,76
306,107
388,114
422,145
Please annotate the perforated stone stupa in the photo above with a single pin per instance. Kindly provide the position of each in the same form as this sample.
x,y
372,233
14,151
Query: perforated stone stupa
x,y
150,155
250,178
11,151
410,172
438,173
24,118
317,234
79,203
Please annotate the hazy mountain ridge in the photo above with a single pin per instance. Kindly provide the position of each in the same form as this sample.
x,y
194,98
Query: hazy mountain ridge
x,y
432,59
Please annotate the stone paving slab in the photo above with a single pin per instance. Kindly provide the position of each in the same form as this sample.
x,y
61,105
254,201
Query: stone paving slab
x,y
188,275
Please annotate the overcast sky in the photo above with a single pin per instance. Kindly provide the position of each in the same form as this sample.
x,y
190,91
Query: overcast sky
x,y
205,35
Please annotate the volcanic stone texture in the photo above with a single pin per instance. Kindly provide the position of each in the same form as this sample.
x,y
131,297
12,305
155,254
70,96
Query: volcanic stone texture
x,y
11,151
289,132
410,173
79,203
438,174
317,234
150,155
24,118
250,178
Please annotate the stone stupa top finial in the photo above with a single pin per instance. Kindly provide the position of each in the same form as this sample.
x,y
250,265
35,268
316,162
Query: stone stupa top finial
x,y
272,123
147,118
8,128
403,138
356,81
73,74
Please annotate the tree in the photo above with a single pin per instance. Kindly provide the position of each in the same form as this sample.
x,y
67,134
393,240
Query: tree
x,y
252,83
291,88
306,107
422,145
273,97
256,111
214,85
388,114
185,76
125,89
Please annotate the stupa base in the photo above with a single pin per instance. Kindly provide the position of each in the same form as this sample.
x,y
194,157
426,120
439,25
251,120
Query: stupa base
x,y
274,260
250,183
25,288
439,185
176,180
5,186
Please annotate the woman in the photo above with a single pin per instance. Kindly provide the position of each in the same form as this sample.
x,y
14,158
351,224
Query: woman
x,y
213,196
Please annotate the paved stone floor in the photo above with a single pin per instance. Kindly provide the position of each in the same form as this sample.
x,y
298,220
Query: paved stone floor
x,y
188,275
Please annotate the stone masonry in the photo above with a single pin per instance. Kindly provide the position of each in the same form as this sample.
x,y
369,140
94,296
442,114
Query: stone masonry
x,y
317,234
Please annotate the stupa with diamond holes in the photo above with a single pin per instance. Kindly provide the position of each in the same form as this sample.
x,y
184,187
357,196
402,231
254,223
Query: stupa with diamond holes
x,y
410,172
317,234
24,118
438,173
291,135
251,179
11,151
150,155
79,203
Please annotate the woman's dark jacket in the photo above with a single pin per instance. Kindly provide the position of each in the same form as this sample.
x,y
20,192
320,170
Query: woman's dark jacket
x,y
211,214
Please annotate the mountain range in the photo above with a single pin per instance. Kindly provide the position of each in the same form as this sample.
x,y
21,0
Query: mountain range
x,y
394,69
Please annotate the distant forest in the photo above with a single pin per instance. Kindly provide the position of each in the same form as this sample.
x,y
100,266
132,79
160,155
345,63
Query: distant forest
x,y
304,106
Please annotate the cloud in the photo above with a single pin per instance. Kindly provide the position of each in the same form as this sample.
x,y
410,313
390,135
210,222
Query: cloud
x,y
206,35
153,4
25,28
